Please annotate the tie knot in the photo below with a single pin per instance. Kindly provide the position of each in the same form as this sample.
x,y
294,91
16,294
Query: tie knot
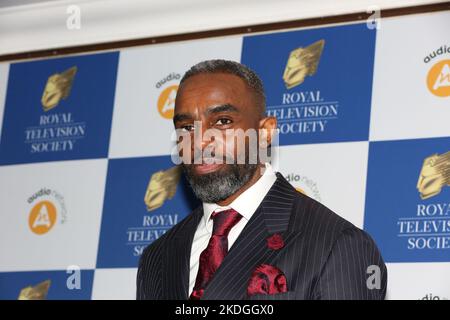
x,y
224,221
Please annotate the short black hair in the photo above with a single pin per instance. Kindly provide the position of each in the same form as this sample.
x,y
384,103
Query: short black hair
x,y
249,76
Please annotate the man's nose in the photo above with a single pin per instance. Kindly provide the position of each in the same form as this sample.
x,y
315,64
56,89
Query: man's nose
x,y
200,142
204,141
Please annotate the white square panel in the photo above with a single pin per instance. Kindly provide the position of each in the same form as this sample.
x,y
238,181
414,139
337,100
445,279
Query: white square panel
x,y
114,284
146,87
331,173
4,71
50,214
418,281
403,106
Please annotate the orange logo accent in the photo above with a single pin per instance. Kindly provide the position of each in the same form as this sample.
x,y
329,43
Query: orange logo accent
x,y
42,217
166,102
300,190
438,79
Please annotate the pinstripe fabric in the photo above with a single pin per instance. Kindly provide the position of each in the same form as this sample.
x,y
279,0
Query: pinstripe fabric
x,y
324,257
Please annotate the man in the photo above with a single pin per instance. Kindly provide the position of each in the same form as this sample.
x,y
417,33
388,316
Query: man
x,y
254,236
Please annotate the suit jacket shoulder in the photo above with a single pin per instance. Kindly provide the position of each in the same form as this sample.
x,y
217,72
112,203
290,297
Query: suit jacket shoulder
x,y
149,279
339,257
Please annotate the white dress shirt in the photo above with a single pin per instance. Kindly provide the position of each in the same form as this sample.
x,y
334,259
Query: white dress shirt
x,y
246,204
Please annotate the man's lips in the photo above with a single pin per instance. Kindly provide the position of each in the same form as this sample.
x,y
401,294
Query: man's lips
x,y
206,168
203,168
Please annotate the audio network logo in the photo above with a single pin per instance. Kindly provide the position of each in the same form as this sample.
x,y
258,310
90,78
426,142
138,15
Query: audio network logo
x,y
166,99
431,296
305,185
47,209
438,77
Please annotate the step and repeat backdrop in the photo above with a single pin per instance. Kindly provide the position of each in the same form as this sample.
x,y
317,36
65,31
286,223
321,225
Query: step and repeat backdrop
x,y
86,179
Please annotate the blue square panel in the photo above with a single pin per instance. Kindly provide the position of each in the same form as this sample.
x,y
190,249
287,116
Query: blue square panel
x,y
59,285
318,82
59,109
144,197
408,199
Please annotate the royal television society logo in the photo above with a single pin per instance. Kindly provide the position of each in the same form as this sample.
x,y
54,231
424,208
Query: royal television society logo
x,y
47,209
302,62
438,76
166,99
434,176
37,292
430,228
161,187
58,87
301,111
55,132
304,185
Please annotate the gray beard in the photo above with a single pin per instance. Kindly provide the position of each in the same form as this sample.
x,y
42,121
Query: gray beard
x,y
221,184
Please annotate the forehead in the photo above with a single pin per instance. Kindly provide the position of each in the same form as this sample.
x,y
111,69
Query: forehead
x,y
209,89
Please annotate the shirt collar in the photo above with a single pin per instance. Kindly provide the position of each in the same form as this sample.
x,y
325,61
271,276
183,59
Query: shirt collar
x,y
247,202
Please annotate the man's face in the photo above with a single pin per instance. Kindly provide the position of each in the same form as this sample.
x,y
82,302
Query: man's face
x,y
221,102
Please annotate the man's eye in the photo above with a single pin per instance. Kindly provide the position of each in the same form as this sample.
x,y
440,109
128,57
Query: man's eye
x,y
223,121
187,127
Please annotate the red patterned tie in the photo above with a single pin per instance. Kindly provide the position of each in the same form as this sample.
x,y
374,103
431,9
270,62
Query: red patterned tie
x,y
217,249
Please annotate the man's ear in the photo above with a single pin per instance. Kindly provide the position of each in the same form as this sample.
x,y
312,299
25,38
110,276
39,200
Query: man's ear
x,y
268,126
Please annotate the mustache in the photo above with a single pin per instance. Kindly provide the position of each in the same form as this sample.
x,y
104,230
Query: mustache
x,y
218,185
210,157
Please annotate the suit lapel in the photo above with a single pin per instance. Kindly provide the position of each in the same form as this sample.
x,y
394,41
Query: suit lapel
x,y
176,264
250,249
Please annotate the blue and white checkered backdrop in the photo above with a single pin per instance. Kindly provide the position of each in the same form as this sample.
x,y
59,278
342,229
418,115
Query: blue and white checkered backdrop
x,y
366,134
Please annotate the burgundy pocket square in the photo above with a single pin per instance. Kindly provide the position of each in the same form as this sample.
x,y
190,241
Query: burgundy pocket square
x,y
267,279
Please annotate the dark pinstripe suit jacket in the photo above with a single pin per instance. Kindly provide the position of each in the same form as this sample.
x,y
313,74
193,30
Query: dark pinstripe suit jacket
x,y
324,257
